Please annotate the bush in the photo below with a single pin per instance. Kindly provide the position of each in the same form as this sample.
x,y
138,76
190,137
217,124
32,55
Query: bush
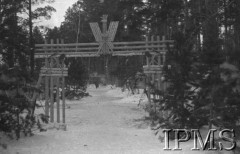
x,y
16,110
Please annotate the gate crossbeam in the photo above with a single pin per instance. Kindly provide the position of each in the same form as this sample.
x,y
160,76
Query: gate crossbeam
x,y
91,49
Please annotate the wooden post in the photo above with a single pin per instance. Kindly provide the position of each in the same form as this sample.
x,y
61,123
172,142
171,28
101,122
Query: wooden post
x,y
46,95
58,42
158,40
63,93
105,47
164,61
153,79
154,103
152,39
146,40
46,86
148,75
159,80
58,101
62,41
51,92
152,63
147,58
153,56
104,31
51,99
148,65
63,99
159,56
57,94
104,22
164,54
159,64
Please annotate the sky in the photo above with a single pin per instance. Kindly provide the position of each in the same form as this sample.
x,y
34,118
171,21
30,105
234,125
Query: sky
x,y
61,7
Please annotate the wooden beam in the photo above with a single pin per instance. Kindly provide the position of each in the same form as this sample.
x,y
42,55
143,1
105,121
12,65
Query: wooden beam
x,y
152,44
58,101
158,48
96,31
68,49
112,30
119,48
151,72
143,42
54,69
96,44
51,92
57,86
53,74
47,96
46,88
63,100
63,93
152,66
66,45
94,54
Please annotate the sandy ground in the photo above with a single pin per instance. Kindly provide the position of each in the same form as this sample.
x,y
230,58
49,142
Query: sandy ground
x,y
109,122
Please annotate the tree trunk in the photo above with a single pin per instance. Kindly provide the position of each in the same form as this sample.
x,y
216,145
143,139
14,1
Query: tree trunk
x,y
31,48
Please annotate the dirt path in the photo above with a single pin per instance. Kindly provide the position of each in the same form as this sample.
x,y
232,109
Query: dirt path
x,y
97,125
109,127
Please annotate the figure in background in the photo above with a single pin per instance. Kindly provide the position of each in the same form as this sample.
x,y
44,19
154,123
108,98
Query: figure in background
x,y
96,83
55,94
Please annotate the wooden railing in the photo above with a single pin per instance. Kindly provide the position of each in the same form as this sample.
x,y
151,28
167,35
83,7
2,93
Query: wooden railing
x,y
91,49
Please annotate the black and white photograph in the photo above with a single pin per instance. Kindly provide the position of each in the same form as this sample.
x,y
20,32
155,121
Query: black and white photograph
x,y
119,76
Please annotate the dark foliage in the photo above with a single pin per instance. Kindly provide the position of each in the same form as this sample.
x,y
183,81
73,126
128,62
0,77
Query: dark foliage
x,y
15,108
204,73
77,74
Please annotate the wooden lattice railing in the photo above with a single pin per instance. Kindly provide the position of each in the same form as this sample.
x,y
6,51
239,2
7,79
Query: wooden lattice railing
x,y
92,49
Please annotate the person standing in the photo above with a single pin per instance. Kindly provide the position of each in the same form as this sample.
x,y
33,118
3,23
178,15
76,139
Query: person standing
x,y
55,94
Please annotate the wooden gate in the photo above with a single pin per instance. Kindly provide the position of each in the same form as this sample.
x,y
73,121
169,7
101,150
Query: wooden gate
x,y
154,48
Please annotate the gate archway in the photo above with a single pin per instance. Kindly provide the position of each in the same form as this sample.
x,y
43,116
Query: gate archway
x,y
153,48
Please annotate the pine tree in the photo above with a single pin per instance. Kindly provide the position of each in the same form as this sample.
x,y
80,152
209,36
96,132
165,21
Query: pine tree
x,y
204,84
14,73
77,74
179,97
15,108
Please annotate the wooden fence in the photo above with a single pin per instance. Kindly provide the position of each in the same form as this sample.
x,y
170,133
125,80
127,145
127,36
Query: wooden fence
x,y
91,49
